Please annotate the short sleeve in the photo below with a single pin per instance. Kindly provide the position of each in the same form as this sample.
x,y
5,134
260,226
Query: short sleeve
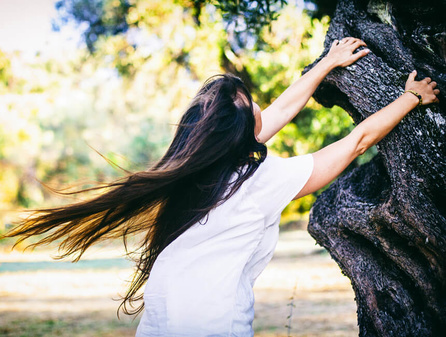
x,y
277,181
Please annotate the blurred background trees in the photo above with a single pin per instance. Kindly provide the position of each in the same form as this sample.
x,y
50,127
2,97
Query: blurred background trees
x,y
122,91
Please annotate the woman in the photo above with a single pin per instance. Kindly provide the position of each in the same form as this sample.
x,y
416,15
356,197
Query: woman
x,y
210,207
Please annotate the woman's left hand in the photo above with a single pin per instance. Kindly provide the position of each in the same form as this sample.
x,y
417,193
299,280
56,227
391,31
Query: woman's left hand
x,y
341,53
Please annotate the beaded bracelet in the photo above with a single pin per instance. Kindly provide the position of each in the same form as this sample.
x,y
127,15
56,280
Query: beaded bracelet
x,y
418,96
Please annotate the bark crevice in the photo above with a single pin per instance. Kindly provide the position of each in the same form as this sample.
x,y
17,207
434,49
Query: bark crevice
x,y
384,222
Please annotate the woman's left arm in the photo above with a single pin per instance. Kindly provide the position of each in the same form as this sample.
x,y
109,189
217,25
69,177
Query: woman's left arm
x,y
293,99
330,161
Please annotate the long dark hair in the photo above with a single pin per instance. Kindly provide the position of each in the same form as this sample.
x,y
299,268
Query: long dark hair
x,y
214,141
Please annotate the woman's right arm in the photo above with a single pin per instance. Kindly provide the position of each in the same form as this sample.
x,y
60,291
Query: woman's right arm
x,y
330,161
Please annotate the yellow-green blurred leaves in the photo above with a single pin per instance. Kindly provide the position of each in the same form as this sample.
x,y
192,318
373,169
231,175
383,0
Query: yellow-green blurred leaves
x,y
5,72
124,99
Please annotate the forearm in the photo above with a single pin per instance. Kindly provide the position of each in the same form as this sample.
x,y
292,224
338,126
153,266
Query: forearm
x,y
292,100
377,126
330,161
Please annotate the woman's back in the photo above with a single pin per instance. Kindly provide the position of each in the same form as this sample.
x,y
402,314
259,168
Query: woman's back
x,y
201,284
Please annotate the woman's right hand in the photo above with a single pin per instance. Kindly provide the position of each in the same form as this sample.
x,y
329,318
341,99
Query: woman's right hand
x,y
342,53
425,87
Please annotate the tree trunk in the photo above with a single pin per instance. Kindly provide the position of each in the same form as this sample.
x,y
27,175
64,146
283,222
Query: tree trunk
x,y
384,222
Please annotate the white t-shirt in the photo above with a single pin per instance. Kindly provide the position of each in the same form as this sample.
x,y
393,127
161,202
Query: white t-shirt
x,y
201,284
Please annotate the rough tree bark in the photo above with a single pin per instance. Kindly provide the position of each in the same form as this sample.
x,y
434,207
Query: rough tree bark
x,y
384,222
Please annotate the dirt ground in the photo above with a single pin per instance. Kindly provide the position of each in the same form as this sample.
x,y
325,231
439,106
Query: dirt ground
x,y
301,293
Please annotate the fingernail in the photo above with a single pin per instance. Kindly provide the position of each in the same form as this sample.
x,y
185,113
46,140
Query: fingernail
x,y
367,50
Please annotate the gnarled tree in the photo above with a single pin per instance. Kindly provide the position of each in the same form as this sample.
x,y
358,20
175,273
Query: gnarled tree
x,y
384,222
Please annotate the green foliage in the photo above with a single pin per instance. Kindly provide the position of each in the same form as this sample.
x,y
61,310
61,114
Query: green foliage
x,y
245,19
98,17
104,18
5,72
124,99
255,14
246,15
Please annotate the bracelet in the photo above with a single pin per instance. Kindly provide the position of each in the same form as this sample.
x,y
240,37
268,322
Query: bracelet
x,y
418,96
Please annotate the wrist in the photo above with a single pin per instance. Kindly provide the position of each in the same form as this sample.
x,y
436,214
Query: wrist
x,y
414,96
328,63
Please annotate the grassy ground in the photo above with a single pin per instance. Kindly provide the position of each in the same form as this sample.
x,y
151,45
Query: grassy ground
x,y
301,281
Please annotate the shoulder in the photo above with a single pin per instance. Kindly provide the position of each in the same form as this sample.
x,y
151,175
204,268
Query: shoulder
x,y
281,175
278,180
275,166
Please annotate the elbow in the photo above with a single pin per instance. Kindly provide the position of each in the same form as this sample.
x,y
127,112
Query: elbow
x,y
361,149
362,146
362,141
